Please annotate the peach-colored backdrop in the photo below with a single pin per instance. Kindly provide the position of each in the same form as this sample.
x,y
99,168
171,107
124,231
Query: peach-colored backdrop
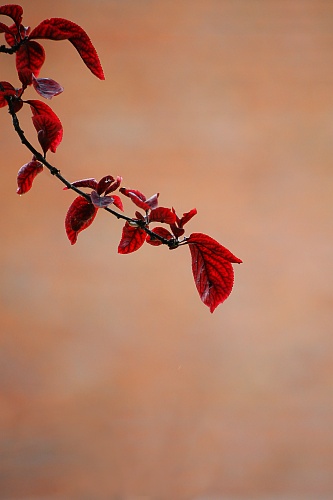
x,y
116,381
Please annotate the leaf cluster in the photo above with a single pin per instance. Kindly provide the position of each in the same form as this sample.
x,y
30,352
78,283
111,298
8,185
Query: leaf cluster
x,y
211,262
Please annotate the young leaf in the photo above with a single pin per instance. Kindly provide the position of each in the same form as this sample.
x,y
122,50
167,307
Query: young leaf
x,y
100,201
26,175
212,269
161,231
47,124
80,215
133,237
62,29
46,87
161,214
30,58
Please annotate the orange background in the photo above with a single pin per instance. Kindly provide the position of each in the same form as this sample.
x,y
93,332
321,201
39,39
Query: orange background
x,y
116,381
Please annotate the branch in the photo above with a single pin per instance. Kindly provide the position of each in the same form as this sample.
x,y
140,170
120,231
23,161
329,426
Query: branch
x,y
14,48
54,171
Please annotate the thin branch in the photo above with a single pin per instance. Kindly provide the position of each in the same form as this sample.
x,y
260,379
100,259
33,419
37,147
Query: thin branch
x,y
54,171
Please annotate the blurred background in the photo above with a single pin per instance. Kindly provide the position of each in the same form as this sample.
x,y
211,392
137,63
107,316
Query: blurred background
x,y
116,381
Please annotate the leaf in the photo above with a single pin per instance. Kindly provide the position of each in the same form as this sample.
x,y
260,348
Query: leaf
x,y
104,183
6,89
133,237
62,29
6,29
13,11
139,199
100,201
46,87
47,124
117,202
91,183
27,174
161,214
161,231
16,33
80,215
115,185
30,58
212,269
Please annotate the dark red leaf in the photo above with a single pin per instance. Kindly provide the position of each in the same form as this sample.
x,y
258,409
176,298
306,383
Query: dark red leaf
x,y
90,183
6,29
133,237
80,215
115,185
136,196
62,29
161,214
47,124
46,87
13,11
15,34
212,269
104,183
30,58
139,199
6,89
161,231
26,175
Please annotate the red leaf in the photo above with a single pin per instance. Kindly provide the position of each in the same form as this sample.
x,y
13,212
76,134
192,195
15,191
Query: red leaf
x,y
6,29
187,216
46,87
29,59
91,183
161,231
26,175
115,185
161,214
104,183
139,199
117,202
16,33
133,237
47,124
62,29
212,269
80,215
13,11
6,89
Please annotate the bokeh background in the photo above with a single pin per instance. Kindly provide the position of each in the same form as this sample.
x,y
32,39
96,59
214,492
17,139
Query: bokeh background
x,y
116,381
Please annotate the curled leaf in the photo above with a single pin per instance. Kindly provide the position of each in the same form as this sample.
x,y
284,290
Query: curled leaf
x,y
62,29
27,174
212,269
133,237
80,215
13,11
